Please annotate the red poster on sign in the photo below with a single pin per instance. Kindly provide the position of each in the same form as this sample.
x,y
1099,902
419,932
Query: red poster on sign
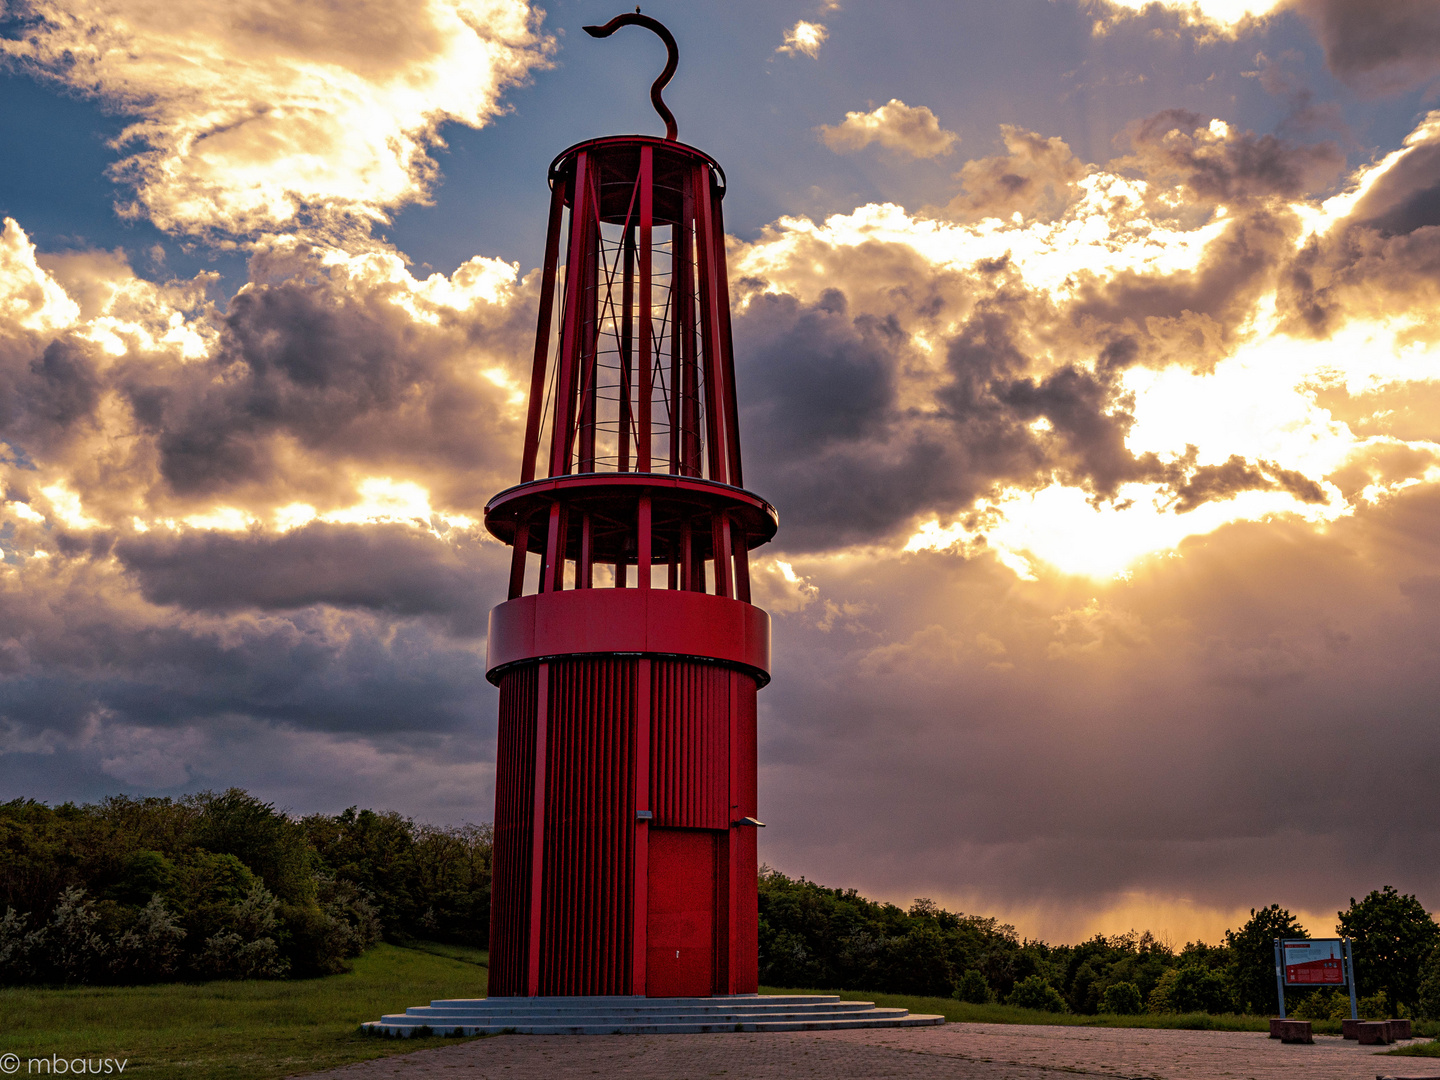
x,y
1314,963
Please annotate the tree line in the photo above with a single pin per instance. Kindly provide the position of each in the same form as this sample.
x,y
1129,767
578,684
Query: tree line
x,y
813,936
216,886
226,886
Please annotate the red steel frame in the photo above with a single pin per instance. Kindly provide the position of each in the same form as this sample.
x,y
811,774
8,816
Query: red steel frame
x,y
626,705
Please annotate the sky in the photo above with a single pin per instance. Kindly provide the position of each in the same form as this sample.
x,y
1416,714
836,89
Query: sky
x,y
1087,348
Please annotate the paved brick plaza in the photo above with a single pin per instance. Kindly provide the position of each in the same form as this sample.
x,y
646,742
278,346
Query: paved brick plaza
x,y
952,1052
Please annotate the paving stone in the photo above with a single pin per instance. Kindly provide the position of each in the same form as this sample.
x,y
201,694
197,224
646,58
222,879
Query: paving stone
x,y
952,1052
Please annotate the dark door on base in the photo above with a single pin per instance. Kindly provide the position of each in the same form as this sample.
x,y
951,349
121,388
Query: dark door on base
x,y
680,914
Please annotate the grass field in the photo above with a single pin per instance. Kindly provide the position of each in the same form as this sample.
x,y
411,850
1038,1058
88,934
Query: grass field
x,y
963,1013
239,1030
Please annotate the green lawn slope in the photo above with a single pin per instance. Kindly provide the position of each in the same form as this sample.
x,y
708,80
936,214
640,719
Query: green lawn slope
x,y
239,1030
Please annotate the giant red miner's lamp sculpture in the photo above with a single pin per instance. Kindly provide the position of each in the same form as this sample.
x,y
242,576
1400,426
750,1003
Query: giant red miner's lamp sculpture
x,y
628,654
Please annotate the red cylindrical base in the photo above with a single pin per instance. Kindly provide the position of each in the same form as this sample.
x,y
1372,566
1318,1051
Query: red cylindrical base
x,y
622,861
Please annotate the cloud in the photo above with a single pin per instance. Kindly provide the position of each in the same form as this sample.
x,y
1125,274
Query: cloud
x,y
1035,175
804,37
914,130
1377,48
1127,743
319,119
1218,17
1214,164
1118,363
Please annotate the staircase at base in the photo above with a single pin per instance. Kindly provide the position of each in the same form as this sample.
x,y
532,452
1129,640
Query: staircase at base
x,y
642,1016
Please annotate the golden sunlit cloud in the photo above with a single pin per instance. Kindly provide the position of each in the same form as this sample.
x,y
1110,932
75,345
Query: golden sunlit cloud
x,y
1225,15
896,126
1253,406
804,37
273,123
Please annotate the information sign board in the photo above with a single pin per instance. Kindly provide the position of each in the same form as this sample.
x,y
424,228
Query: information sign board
x,y
1314,962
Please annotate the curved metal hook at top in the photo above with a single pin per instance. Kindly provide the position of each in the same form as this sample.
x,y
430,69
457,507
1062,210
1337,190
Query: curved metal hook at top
x,y
634,18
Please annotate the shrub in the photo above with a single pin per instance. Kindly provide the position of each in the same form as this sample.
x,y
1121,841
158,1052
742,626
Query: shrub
x,y
73,951
973,988
1375,1007
247,949
1196,989
1427,1005
151,949
1123,999
1036,993
1327,1004
19,948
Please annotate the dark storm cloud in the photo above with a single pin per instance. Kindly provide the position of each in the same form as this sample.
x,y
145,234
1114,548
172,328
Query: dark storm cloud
x,y
1081,410
1234,475
1235,269
1178,146
830,440
1383,257
1407,197
80,647
47,392
1378,47
378,567
345,377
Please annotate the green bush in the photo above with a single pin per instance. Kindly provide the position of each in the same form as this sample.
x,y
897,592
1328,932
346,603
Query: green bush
x,y
1427,1006
1197,989
973,989
1326,1004
1035,993
1123,999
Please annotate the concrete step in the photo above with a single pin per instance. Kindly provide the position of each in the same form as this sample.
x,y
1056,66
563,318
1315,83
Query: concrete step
x,y
642,1016
634,1001
471,1009
599,1016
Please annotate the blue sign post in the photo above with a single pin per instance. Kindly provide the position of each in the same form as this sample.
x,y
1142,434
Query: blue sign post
x,y
1314,962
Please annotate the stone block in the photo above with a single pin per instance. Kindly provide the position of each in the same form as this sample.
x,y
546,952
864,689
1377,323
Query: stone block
x,y
1399,1029
1373,1032
1291,1031
1348,1028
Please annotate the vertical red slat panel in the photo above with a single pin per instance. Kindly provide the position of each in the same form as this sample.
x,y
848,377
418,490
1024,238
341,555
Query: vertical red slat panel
x,y
640,770
590,838
745,922
514,806
689,780
537,826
